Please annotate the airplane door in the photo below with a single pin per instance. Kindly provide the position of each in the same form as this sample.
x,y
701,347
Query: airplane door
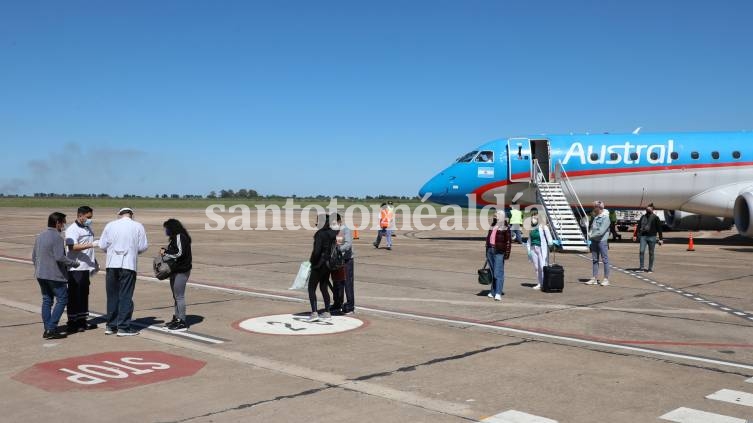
x,y
519,159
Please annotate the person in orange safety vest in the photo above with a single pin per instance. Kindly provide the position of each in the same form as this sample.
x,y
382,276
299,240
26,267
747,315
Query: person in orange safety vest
x,y
386,223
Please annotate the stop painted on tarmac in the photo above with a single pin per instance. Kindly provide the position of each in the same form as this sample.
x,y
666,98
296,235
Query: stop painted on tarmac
x,y
291,324
109,371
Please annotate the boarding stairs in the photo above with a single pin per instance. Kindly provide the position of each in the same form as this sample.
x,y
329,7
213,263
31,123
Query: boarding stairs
x,y
559,212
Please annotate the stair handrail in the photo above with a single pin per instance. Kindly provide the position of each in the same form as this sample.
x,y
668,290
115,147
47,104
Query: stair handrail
x,y
538,174
560,171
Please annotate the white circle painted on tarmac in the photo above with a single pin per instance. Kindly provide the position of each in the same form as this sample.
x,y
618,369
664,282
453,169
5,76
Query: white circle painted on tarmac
x,y
290,324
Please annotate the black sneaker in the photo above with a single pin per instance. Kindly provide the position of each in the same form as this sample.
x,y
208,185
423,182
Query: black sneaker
x,y
178,326
51,334
128,332
90,326
171,322
110,331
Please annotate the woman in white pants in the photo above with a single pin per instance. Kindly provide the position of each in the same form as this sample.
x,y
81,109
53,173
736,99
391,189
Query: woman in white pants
x,y
539,241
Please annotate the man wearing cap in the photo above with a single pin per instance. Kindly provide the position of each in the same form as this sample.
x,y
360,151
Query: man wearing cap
x,y
123,240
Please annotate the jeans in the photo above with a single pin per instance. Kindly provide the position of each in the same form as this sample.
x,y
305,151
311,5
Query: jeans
x,y
497,265
600,249
344,289
52,289
651,242
119,285
178,283
78,297
319,276
517,234
384,232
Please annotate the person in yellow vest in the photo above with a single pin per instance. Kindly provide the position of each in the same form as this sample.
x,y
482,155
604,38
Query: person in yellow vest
x,y
386,221
516,221
613,225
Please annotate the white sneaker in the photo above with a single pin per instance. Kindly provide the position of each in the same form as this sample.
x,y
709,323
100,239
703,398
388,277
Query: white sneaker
x,y
314,317
537,287
490,295
592,281
605,282
497,297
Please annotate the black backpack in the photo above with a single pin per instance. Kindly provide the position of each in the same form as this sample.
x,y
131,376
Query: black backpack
x,y
335,259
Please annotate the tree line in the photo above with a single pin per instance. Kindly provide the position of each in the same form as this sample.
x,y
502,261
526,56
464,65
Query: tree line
x,y
221,194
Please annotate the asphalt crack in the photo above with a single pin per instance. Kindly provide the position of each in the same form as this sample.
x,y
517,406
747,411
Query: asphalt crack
x,y
461,356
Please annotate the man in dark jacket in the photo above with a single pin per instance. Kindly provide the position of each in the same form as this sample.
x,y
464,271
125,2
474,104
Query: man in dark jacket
x,y
649,225
51,270
324,241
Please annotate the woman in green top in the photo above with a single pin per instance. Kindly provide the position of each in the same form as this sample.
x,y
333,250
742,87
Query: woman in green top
x,y
538,236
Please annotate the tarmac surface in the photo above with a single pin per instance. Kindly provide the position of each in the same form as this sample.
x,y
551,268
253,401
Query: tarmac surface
x,y
425,345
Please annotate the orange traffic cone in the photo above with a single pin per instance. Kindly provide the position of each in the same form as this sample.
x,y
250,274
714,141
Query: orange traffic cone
x,y
691,246
355,234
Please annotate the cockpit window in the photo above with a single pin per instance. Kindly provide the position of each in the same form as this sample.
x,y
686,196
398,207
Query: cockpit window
x,y
485,157
466,158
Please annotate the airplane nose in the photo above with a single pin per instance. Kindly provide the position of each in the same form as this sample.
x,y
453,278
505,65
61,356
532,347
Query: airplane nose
x,y
430,187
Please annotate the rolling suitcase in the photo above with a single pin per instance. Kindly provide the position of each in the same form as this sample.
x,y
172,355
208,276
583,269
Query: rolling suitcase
x,y
554,278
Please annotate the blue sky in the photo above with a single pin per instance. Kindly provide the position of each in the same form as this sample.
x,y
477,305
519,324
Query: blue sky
x,y
343,97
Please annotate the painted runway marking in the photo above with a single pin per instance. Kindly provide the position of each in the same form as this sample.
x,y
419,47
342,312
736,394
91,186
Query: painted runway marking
x,y
290,324
190,335
681,292
513,416
732,397
689,415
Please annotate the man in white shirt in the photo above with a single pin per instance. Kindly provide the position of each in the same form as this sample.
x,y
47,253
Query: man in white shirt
x,y
79,238
123,240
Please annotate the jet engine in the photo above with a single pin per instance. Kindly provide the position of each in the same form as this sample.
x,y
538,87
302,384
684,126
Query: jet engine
x,y
743,212
683,221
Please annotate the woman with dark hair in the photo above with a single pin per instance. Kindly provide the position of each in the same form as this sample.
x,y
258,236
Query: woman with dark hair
x,y
179,250
325,239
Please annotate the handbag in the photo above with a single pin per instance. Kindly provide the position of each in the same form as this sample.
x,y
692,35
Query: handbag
x,y
163,267
485,275
339,275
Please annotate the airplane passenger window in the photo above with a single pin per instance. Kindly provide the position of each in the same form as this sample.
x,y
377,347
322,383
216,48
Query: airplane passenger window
x,y
594,157
694,155
614,157
633,156
715,155
674,155
466,158
654,156
485,157
736,154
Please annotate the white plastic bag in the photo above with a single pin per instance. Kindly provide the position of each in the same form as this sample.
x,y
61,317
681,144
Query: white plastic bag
x,y
302,278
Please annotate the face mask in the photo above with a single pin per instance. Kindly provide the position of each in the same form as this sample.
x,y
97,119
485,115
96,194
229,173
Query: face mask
x,y
167,232
534,221
648,211
87,222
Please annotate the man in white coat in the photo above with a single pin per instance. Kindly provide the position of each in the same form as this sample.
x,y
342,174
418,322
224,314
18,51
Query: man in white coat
x,y
123,240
